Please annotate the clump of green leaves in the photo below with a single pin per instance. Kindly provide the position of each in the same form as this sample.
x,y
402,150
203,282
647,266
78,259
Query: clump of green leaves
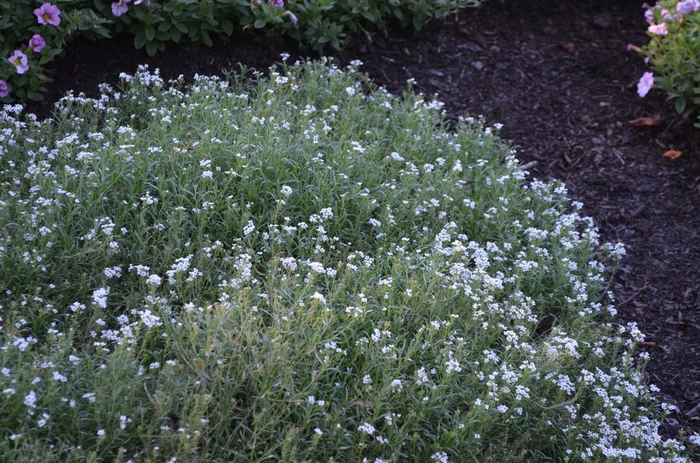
x,y
34,41
154,23
674,53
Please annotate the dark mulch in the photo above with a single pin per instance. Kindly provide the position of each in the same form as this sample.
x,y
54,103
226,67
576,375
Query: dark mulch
x,y
558,76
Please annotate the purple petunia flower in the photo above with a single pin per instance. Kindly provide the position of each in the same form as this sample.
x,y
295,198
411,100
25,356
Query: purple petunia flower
x,y
645,84
687,6
649,15
48,14
292,17
36,43
119,8
276,3
4,91
19,61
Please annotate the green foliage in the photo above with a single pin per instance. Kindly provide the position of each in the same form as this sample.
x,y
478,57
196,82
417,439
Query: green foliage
x,y
18,24
154,23
674,52
300,268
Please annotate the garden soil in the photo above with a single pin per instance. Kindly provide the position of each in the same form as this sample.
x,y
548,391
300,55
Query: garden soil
x,y
559,77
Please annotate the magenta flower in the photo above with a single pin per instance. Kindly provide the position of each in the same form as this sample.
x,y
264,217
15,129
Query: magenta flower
x,y
19,61
4,91
658,30
276,3
36,43
48,14
119,8
645,84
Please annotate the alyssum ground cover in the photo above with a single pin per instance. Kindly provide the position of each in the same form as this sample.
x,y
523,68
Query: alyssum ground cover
x,y
300,268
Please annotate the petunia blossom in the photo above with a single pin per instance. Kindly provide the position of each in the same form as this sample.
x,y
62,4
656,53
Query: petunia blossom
x,y
645,84
292,16
276,3
119,8
19,60
37,43
649,15
4,91
658,29
687,6
48,14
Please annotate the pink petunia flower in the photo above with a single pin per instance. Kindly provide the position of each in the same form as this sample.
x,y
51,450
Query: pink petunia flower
x,y
276,3
658,29
4,91
48,14
36,43
119,8
19,61
645,84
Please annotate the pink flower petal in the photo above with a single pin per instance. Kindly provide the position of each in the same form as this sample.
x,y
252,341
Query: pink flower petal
x,y
19,61
645,84
36,43
48,14
659,29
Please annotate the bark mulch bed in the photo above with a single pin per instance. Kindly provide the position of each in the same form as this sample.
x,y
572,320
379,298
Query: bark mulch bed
x,y
558,76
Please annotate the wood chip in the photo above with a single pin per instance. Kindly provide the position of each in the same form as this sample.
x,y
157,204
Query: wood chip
x,y
528,165
693,411
474,37
646,122
568,47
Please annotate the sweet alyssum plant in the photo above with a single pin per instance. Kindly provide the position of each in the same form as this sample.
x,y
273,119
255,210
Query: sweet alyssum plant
x,y
32,35
300,268
674,53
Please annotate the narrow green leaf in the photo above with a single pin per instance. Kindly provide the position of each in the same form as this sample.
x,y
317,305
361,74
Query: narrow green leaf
x,y
151,48
680,105
227,27
206,39
139,40
175,34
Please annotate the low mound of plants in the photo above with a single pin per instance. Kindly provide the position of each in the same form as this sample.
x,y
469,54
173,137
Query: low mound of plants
x,y
32,35
300,268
